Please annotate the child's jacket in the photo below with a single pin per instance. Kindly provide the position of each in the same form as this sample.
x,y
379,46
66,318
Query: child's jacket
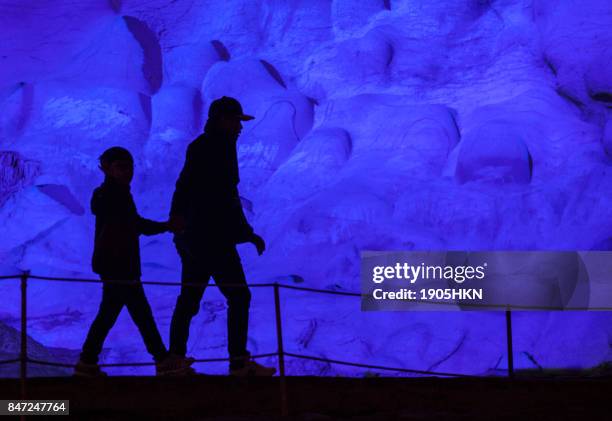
x,y
118,227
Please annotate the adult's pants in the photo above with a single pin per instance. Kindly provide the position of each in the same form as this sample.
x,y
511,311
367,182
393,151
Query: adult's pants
x,y
222,262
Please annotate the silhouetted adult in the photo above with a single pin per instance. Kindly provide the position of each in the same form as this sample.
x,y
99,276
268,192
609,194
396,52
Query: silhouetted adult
x,y
207,213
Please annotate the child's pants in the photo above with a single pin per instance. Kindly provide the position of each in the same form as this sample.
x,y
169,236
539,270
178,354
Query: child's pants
x,y
114,297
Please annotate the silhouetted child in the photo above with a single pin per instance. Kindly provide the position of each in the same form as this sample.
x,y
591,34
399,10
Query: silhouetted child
x,y
116,257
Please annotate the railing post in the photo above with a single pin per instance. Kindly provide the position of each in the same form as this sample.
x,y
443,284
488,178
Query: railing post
x,y
281,352
23,355
509,342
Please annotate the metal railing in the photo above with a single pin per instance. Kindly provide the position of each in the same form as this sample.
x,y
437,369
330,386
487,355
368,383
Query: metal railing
x,y
280,353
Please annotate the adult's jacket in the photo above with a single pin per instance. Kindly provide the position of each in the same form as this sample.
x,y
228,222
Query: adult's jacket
x,y
206,193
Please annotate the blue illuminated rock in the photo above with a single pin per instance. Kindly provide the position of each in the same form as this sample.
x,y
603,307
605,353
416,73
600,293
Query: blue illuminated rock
x,y
379,125
494,153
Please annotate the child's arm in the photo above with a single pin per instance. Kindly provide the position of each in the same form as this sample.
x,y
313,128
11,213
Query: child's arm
x,y
149,227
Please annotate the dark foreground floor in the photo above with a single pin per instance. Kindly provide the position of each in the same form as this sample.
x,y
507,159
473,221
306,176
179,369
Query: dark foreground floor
x,y
320,398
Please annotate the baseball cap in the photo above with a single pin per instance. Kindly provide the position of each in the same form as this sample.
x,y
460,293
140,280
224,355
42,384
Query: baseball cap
x,y
227,106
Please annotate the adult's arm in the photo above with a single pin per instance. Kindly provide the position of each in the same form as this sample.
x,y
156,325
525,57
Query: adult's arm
x,y
184,185
244,230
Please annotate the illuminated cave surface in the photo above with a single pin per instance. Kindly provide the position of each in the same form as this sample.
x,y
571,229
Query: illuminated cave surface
x,y
380,124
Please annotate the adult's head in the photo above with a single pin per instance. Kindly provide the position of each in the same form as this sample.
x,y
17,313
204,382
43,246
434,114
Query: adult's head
x,y
225,115
118,163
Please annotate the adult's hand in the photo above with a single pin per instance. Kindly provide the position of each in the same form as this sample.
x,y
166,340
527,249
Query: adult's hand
x,y
258,242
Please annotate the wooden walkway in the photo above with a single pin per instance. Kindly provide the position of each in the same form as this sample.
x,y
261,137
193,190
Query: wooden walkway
x,y
321,398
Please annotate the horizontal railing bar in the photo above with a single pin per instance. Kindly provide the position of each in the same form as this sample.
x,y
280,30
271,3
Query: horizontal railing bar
x,y
316,290
132,282
503,306
377,367
49,363
212,360
10,277
15,360
136,364
323,291
306,357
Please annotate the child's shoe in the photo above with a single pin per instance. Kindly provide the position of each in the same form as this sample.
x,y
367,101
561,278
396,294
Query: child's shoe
x,y
83,369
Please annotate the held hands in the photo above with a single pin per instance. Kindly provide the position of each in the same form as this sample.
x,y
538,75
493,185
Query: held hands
x,y
258,242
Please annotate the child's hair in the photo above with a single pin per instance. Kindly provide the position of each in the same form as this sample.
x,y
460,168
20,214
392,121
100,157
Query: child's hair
x,y
116,153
